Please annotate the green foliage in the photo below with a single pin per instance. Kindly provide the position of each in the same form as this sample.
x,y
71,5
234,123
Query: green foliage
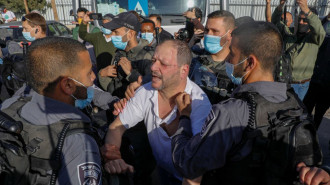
x,y
17,6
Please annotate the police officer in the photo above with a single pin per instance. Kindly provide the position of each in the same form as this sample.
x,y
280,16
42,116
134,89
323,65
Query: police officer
x,y
162,34
208,69
248,64
133,58
62,81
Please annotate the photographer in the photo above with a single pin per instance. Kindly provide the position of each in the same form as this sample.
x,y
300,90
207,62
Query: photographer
x,y
193,23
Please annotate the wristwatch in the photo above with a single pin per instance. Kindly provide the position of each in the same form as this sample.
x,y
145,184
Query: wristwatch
x,y
306,14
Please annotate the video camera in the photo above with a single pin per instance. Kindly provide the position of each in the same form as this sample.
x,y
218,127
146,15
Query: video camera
x,y
183,34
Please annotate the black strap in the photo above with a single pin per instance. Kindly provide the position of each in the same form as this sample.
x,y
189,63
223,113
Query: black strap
x,y
248,132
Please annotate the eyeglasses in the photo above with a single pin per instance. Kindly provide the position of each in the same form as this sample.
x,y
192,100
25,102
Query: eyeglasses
x,y
26,19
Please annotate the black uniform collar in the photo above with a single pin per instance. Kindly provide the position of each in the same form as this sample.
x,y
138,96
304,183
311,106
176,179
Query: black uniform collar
x,y
272,91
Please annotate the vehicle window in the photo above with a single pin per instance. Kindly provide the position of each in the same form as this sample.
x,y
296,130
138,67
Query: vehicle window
x,y
11,33
63,29
52,30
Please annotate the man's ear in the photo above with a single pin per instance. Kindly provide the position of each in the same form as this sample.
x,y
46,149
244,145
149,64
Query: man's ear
x,y
38,30
185,69
67,86
252,63
229,37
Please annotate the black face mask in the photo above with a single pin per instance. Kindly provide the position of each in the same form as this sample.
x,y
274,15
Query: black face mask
x,y
303,28
190,28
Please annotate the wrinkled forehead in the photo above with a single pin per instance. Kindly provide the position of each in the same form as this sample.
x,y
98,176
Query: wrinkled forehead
x,y
165,51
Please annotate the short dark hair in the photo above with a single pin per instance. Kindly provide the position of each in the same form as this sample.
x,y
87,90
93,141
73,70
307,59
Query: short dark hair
x,y
148,21
242,20
228,18
44,70
158,18
198,12
82,9
261,39
184,55
35,19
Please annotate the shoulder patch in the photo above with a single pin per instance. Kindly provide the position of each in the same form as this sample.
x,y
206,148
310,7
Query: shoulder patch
x,y
89,174
210,118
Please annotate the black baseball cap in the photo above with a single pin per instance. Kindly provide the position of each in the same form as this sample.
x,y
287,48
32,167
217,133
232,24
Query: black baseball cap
x,y
125,19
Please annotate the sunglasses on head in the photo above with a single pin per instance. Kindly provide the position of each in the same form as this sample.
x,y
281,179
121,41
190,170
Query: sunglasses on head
x,y
26,19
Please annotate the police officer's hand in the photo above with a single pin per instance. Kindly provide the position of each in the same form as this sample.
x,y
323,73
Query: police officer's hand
x,y
183,103
110,70
118,166
119,106
172,127
125,65
110,152
130,91
312,175
303,5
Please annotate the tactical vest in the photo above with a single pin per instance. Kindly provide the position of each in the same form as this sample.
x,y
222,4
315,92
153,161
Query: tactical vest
x,y
215,84
280,136
118,85
32,155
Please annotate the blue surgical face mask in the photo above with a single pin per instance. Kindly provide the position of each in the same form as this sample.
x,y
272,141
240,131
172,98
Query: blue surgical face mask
x,y
105,31
212,43
27,36
82,103
230,72
118,42
147,36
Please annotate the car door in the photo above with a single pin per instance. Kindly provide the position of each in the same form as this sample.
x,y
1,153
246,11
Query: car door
x,y
63,30
52,30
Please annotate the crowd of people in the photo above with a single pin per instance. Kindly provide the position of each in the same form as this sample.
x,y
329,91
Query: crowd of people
x,y
128,103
